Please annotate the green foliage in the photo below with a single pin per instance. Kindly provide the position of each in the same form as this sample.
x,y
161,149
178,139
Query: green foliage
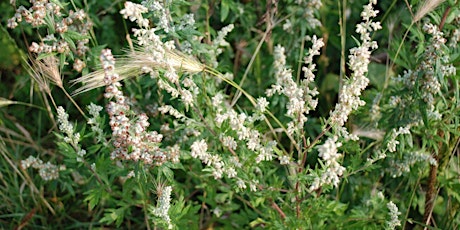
x,y
228,163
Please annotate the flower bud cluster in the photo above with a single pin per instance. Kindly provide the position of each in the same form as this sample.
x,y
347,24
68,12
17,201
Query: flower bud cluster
x,y
391,144
394,221
35,15
400,167
160,13
333,170
47,171
131,139
134,12
94,122
309,8
428,78
71,137
359,59
76,21
163,205
199,149
240,123
301,97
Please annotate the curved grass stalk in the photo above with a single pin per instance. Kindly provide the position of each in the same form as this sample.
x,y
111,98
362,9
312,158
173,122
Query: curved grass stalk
x,y
7,102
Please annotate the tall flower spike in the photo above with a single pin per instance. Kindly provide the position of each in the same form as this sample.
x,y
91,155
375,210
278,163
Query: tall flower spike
x,y
163,205
359,60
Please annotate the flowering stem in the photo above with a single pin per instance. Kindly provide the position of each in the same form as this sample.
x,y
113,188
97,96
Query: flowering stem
x,y
253,102
414,189
196,109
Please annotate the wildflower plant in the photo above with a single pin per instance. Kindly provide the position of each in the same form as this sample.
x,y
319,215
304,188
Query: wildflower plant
x,y
232,114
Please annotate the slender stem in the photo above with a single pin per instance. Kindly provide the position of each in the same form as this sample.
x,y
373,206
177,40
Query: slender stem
x,y
98,178
277,209
74,103
256,52
25,177
208,33
444,17
409,8
430,195
145,199
400,45
410,201
302,44
343,39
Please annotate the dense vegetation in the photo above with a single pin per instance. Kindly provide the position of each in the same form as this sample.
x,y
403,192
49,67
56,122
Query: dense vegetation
x,y
221,114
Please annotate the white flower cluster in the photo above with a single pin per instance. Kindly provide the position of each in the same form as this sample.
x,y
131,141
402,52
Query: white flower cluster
x,y
218,43
328,152
391,144
432,70
168,109
70,137
393,222
400,167
131,139
40,13
94,122
199,149
160,12
60,46
229,142
187,21
455,33
301,98
359,59
151,56
36,14
163,205
244,133
47,171
134,12
435,57
287,26
309,8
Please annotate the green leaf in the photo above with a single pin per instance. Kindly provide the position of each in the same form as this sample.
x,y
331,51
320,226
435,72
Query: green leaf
x,y
75,35
114,215
168,173
93,197
224,10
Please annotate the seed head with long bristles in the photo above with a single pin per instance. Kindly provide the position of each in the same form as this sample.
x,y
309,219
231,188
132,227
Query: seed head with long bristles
x,y
138,62
426,7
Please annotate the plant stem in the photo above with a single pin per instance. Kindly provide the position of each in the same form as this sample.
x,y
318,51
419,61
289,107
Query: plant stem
x,y
430,194
444,17
343,39
256,52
